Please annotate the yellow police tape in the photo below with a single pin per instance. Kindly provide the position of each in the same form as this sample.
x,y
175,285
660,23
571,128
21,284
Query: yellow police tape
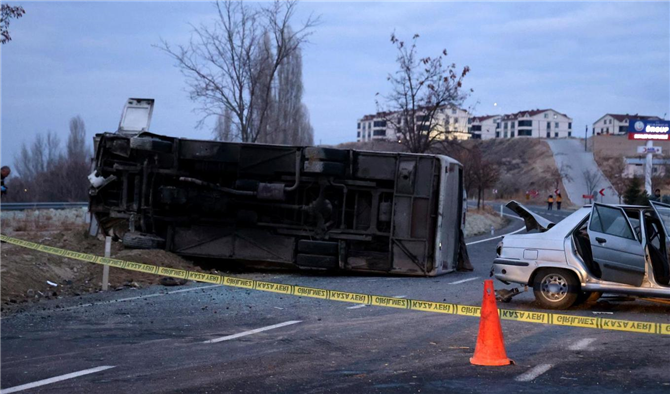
x,y
343,296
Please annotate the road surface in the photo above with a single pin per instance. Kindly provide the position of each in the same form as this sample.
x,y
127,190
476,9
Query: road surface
x,y
571,158
213,339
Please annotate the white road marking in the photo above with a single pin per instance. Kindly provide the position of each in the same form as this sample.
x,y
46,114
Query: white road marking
x,y
357,306
458,282
582,344
533,373
400,296
137,297
54,379
255,331
492,238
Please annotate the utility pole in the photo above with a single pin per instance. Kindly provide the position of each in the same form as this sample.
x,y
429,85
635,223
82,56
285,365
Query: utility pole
x,y
648,165
586,135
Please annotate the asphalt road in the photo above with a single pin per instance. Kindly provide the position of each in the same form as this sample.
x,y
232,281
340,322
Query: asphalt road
x,y
213,339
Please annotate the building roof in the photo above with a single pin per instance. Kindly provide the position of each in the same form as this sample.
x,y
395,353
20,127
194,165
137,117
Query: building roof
x,y
622,117
482,118
386,113
530,112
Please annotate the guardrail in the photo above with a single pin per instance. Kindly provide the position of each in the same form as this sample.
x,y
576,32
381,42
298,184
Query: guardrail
x,y
22,206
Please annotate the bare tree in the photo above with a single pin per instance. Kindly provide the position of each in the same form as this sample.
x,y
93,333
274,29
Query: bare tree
x,y
291,124
7,13
223,131
591,180
233,63
43,153
422,88
44,172
613,169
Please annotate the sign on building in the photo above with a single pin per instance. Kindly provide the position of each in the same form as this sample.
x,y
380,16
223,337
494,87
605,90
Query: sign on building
x,y
639,129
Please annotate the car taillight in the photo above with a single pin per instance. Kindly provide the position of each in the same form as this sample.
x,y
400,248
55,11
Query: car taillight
x,y
499,249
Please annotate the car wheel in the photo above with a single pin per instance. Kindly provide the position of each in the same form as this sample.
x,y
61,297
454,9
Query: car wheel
x,y
555,288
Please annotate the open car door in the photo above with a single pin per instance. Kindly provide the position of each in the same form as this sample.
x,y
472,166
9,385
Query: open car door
x,y
659,248
615,247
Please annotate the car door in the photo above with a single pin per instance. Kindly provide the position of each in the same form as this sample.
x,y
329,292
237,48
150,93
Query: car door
x,y
615,247
663,212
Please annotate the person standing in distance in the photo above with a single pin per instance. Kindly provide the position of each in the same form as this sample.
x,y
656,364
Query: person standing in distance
x,y
5,171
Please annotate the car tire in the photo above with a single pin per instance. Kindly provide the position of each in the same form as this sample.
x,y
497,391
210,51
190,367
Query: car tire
x,y
556,288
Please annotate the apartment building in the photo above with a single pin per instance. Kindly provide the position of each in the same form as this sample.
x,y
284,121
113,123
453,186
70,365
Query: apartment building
x,y
536,123
483,127
617,124
375,127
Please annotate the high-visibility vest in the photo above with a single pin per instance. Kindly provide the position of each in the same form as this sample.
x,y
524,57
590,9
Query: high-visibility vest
x,y
550,199
559,198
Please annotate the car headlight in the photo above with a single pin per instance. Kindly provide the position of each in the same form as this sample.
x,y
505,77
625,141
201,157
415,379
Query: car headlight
x,y
499,249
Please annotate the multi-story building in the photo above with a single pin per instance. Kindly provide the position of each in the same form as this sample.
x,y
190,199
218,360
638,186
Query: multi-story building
x,y
617,124
453,120
483,127
536,123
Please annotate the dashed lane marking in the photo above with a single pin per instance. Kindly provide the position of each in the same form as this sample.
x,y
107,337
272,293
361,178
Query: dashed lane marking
x,y
55,379
255,331
533,373
582,344
458,282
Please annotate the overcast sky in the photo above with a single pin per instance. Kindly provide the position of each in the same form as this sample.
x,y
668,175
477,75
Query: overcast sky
x,y
582,59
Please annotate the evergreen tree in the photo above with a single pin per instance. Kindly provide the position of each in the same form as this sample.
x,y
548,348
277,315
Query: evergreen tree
x,y
633,192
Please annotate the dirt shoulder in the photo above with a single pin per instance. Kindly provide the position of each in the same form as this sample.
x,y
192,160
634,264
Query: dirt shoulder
x,y
29,276
480,221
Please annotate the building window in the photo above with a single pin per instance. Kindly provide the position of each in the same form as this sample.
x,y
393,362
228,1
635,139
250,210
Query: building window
x,y
548,125
497,134
358,134
546,116
623,129
477,127
505,135
379,133
525,123
570,126
555,124
512,124
424,127
548,134
525,133
380,123
511,134
569,133
453,111
422,118
556,134
607,130
505,125
359,125
498,125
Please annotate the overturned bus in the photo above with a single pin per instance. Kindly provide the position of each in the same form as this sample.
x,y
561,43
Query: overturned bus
x,y
304,207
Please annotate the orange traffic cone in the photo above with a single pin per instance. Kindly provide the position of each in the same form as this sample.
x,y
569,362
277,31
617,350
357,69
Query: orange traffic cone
x,y
490,348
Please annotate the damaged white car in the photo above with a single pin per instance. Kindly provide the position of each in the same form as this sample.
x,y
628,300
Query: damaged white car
x,y
598,249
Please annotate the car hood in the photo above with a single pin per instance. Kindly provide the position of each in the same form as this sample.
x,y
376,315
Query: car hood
x,y
532,220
